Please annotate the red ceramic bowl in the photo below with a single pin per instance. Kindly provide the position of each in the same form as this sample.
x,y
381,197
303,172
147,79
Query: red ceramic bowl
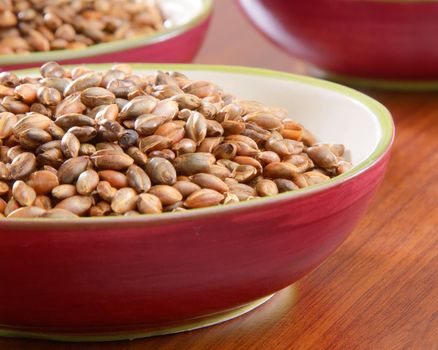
x,y
386,41
127,277
179,43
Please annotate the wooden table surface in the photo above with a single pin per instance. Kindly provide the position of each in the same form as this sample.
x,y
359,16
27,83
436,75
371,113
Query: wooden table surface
x,y
379,290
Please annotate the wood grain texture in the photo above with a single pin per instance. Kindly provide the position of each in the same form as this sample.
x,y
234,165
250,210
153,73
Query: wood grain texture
x,y
379,290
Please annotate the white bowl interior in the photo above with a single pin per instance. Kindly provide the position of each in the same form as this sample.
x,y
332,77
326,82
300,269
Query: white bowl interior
x,y
331,116
179,12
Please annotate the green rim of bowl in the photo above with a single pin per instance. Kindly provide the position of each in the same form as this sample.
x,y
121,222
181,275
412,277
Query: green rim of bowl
x,y
380,111
113,46
375,83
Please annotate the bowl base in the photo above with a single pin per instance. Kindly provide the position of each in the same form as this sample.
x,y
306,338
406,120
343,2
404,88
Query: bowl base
x,y
206,321
374,83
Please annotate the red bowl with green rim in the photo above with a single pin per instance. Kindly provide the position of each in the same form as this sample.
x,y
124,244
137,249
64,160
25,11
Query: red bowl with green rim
x,y
178,43
379,43
94,279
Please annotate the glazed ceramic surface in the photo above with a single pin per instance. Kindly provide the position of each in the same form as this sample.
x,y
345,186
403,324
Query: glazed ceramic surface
x,y
188,21
100,278
389,41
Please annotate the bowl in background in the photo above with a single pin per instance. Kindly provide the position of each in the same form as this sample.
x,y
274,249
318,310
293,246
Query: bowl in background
x,y
373,42
179,43
127,277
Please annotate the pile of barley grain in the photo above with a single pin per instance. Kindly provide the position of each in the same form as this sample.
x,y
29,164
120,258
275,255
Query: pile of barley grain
x,y
84,143
43,25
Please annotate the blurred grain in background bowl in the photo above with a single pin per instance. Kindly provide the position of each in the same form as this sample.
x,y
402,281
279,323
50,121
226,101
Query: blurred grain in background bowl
x,y
186,25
